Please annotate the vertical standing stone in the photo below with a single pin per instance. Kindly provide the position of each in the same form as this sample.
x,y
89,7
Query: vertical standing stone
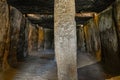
x,y
65,39
15,21
87,38
109,43
26,37
21,42
93,44
40,38
30,38
96,37
34,37
48,39
116,16
4,34
81,39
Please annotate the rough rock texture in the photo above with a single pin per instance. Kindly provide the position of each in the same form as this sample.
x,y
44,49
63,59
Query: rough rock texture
x,y
41,38
102,38
81,39
109,42
15,24
21,42
65,39
116,17
49,39
32,37
4,34
92,37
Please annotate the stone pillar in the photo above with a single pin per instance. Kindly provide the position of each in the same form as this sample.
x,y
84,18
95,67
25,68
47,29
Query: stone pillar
x,y
4,34
65,39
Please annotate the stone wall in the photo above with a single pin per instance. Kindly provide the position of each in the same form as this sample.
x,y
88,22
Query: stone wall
x,y
109,41
15,26
102,38
4,34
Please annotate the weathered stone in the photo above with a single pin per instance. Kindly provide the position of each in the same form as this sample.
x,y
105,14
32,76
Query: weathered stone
x,y
15,24
29,37
109,42
87,38
21,42
33,37
26,37
116,18
81,39
93,44
41,38
4,34
48,38
65,39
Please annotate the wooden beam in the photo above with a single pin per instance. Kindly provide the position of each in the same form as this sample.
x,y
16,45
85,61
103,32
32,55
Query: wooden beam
x,y
85,14
82,15
65,39
39,17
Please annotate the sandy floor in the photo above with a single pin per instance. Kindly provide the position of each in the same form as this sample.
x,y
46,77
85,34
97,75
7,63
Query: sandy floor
x,y
36,68
114,78
33,69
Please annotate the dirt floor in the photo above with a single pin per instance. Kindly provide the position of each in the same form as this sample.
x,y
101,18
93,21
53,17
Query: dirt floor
x,y
43,68
33,68
114,78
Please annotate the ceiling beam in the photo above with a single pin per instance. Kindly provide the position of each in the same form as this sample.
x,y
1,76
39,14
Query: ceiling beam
x,y
81,18
85,14
79,15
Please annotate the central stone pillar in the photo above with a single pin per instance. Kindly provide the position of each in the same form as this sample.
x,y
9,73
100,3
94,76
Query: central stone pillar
x,y
65,39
